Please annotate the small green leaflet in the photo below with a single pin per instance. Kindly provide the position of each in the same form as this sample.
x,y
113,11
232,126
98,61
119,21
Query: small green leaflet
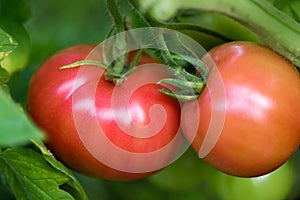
x,y
16,128
7,44
73,183
28,175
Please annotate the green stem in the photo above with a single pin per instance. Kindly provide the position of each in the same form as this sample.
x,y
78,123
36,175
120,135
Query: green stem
x,y
120,44
192,27
277,30
115,14
105,46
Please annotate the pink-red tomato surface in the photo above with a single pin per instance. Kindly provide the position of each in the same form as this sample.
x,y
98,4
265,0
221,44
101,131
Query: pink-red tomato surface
x,y
51,105
261,127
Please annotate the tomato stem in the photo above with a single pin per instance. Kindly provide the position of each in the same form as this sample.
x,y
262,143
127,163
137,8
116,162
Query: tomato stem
x,y
104,46
120,45
192,27
276,29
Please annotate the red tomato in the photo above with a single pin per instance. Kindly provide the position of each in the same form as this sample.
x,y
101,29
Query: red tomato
x,y
100,129
261,126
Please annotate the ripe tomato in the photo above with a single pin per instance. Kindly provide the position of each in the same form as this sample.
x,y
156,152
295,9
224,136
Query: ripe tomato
x,y
261,126
100,129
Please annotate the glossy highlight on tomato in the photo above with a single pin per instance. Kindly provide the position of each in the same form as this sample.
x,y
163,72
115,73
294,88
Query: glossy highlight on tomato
x,y
261,128
53,106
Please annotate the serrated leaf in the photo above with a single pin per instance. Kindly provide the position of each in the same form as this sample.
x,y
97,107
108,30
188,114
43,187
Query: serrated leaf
x,y
16,128
78,191
7,44
28,175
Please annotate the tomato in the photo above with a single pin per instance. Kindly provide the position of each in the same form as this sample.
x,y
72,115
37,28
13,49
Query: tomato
x,y
19,57
255,127
138,123
184,174
276,185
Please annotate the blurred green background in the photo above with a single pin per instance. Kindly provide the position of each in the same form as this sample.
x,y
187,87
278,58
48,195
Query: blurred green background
x,y
56,24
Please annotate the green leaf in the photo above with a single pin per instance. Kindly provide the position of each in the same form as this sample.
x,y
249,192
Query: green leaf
x,y
28,175
115,14
7,44
5,194
136,19
290,7
72,183
4,76
16,128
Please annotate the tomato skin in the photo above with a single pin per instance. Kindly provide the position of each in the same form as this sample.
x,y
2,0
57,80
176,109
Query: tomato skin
x,y
185,174
276,185
51,106
261,129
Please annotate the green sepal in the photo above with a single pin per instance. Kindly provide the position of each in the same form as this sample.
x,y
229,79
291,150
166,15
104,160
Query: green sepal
x,y
180,95
183,84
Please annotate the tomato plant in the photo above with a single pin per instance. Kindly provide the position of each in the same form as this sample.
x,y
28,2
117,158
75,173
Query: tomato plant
x,y
52,105
261,129
276,185
218,23
221,24
18,59
67,107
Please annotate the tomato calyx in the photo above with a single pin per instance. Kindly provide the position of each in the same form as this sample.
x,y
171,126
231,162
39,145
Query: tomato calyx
x,y
115,72
189,72
188,86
